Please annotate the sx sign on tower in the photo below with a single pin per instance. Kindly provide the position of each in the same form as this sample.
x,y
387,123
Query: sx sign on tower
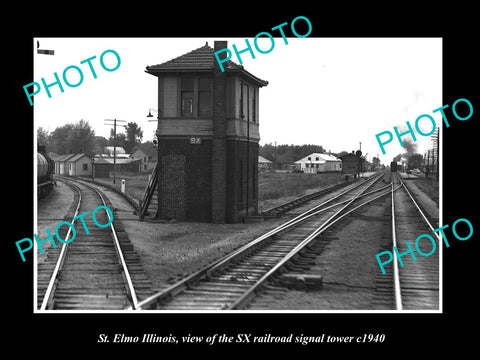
x,y
69,77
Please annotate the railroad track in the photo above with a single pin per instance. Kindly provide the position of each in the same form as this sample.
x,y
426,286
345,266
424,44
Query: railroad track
x,y
415,285
279,210
95,271
231,282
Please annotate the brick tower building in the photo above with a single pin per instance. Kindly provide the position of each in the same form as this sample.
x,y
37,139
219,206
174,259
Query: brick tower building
x,y
208,134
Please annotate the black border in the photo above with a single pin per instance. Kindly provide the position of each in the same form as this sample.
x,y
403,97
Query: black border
x,y
405,332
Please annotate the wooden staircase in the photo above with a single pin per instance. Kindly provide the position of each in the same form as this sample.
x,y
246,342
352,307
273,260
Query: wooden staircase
x,y
149,203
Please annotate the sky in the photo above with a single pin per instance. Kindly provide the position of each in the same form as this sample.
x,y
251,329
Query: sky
x,y
333,92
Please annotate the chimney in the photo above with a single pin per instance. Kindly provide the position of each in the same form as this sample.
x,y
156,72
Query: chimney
x,y
219,142
217,46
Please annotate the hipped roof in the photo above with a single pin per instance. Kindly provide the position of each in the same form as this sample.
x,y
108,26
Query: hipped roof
x,y
201,60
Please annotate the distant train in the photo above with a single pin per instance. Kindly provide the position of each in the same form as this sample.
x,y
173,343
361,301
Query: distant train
x,y
393,166
45,168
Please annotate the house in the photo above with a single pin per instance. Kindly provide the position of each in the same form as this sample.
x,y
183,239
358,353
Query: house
x,y
120,151
79,165
148,156
208,135
61,167
104,165
316,162
264,164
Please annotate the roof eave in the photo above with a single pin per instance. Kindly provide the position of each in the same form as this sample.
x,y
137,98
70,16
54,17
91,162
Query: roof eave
x,y
248,75
157,72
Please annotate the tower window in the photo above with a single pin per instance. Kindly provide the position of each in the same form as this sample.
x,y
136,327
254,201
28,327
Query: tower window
x,y
187,103
204,97
187,96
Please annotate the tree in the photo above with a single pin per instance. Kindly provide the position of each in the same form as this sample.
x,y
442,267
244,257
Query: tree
x,y
81,138
133,137
121,139
43,138
60,139
72,138
288,154
99,143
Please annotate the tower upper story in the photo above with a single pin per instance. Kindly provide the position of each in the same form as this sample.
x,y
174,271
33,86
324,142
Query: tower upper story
x,y
187,96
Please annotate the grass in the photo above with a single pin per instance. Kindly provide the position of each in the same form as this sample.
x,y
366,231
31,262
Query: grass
x,y
278,185
270,185
135,183
430,187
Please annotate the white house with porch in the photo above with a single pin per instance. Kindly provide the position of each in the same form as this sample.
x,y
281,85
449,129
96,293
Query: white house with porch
x,y
316,162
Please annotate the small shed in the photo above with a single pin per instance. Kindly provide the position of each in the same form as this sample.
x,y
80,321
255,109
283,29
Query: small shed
x,y
61,167
79,165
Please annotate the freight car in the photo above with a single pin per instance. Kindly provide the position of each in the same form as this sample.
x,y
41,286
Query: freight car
x,y
45,167
393,166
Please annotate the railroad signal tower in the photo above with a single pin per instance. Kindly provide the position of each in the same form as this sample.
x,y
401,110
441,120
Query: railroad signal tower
x,y
208,136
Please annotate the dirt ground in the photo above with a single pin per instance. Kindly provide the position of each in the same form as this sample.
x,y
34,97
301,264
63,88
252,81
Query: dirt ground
x,y
52,210
346,265
171,250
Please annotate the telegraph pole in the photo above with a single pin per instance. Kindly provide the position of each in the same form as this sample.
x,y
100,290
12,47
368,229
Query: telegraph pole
x,y
438,151
114,143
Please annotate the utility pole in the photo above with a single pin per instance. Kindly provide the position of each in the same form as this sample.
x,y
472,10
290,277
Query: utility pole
x,y
114,143
438,151
276,163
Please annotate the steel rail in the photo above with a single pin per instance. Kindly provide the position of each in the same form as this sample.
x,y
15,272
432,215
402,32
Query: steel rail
x,y
285,207
304,214
396,273
330,222
438,236
302,217
130,288
49,292
242,251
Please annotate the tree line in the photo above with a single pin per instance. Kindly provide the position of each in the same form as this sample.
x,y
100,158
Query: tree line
x,y
288,154
79,137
